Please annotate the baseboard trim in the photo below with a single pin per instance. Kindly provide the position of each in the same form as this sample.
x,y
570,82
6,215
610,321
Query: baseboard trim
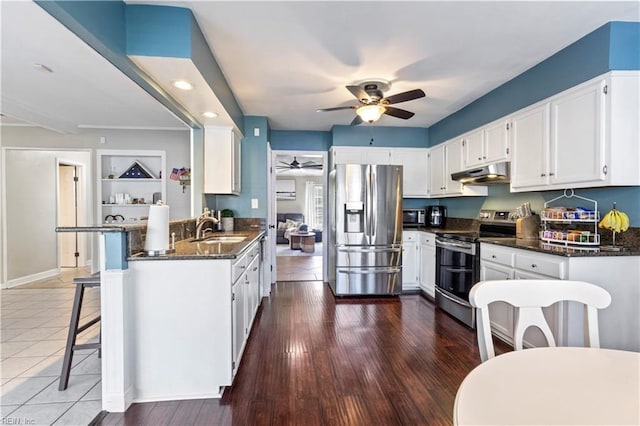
x,y
31,278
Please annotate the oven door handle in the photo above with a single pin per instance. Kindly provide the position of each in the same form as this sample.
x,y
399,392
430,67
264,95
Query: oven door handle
x,y
446,296
451,244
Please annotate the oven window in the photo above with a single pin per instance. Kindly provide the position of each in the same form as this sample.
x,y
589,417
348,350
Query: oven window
x,y
456,272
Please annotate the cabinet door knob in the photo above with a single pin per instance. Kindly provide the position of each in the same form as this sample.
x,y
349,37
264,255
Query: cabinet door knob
x,y
543,175
552,174
533,265
493,256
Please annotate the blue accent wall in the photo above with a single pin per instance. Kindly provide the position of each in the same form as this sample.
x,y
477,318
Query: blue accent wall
x,y
612,46
499,198
376,136
624,49
254,174
158,31
291,140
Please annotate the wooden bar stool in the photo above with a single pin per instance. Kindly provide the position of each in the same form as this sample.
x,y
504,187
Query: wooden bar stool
x,y
75,328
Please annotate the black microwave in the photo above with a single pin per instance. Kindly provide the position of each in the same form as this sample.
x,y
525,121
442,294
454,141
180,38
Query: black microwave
x,y
414,217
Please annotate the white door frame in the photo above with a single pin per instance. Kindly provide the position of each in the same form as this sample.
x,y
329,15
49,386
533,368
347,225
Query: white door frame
x,y
272,205
83,212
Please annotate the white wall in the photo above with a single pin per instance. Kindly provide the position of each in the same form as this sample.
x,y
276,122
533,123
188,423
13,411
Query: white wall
x,y
297,205
30,184
30,193
175,143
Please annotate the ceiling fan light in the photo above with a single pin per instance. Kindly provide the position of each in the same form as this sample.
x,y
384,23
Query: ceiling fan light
x,y
370,113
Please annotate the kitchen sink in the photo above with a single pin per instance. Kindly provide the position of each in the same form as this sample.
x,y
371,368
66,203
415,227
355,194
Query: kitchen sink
x,y
223,239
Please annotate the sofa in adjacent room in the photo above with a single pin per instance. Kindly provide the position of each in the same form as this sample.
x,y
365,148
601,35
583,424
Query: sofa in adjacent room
x,y
285,221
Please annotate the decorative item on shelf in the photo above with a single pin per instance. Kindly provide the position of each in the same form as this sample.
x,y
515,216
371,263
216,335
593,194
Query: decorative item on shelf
x,y
137,171
615,221
183,175
227,220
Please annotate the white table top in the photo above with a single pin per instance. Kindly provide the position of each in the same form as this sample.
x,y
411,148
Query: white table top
x,y
552,386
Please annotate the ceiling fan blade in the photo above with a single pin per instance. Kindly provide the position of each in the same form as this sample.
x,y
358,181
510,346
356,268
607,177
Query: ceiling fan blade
x,y
284,164
335,108
356,121
312,166
359,93
398,113
404,97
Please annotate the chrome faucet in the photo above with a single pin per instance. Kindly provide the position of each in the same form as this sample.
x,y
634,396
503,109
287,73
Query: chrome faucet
x,y
202,220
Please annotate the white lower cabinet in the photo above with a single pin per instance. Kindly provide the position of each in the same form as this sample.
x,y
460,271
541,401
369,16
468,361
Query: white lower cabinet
x,y
191,320
245,298
619,275
410,270
419,262
428,263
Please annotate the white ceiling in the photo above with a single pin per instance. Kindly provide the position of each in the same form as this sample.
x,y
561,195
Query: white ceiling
x,y
284,60
83,91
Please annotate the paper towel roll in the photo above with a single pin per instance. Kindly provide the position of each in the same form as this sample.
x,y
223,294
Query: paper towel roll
x,y
157,241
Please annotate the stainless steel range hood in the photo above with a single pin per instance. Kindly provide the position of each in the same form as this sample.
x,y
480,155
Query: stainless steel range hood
x,y
494,173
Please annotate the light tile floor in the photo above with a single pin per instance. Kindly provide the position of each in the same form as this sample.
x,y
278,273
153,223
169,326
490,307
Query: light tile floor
x,y
34,321
299,268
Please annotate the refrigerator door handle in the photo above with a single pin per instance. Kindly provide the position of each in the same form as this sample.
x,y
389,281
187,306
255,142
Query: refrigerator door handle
x,y
370,249
374,202
367,204
364,271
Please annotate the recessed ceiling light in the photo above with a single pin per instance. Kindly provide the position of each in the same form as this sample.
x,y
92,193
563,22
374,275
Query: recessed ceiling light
x,y
42,67
210,114
182,85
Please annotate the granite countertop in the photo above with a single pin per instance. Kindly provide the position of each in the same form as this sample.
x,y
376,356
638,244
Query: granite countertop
x,y
190,249
537,246
559,250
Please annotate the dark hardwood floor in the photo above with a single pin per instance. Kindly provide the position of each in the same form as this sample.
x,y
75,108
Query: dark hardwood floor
x,y
312,360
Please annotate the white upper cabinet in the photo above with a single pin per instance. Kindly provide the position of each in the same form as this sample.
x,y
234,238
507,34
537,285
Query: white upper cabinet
x,y
530,143
496,142
415,171
445,159
577,136
472,149
437,171
486,145
412,160
360,155
222,159
586,136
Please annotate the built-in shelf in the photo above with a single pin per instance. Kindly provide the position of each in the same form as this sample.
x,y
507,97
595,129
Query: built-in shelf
x,y
116,195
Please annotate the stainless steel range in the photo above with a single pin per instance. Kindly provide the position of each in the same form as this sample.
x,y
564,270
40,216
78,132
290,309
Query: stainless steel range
x,y
458,262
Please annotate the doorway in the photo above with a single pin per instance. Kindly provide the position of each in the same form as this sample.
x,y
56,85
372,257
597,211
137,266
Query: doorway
x,y
299,196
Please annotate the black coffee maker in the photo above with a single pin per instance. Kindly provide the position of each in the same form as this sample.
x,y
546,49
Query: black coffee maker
x,y
436,216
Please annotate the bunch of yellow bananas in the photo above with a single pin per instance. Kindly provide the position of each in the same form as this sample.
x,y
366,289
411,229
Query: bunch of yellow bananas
x,y
615,220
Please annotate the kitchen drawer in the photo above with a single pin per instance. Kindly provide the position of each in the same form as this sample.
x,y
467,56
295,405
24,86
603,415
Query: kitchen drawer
x,y
410,236
541,264
428,238
496,254
254,252
238,267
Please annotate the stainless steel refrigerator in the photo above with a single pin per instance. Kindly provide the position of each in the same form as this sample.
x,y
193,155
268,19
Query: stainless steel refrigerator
x,y
365,238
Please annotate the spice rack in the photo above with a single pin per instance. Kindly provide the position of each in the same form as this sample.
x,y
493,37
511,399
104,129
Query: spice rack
x,y
553,216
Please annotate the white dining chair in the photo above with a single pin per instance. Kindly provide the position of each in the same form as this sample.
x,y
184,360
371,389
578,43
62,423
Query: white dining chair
x,y
529,297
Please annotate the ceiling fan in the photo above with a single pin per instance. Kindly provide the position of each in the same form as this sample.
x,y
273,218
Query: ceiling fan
x,y
296,165
373,103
